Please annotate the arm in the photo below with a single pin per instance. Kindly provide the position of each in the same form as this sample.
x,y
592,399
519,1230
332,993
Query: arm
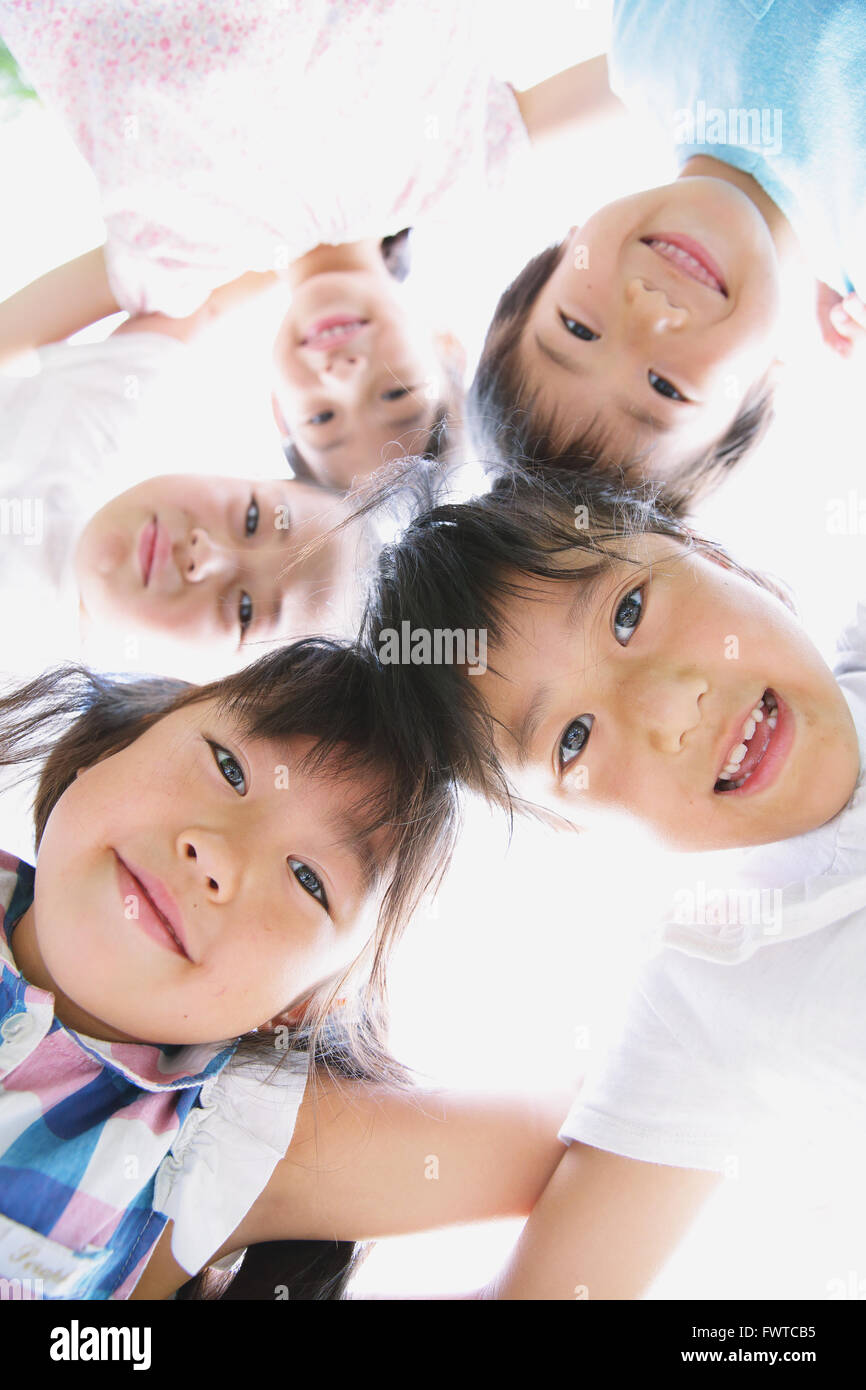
x,y
220,302
56,305
602,1229
570,102
368,1161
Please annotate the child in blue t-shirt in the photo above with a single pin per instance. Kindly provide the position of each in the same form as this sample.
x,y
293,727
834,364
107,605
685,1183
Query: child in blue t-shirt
x,y
650,336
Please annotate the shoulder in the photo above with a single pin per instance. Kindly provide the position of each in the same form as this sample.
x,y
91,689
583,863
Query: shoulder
x,y
226,1153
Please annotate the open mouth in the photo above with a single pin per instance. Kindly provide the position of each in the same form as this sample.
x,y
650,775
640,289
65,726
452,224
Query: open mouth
x,y
688,256
756,739
332,332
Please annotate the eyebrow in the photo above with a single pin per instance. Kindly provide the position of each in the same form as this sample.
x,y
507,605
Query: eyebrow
x,y
570,364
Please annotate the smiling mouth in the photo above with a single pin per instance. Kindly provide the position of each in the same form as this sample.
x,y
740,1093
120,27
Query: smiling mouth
x,y
155,908
332,332
756,738
147,548
690,258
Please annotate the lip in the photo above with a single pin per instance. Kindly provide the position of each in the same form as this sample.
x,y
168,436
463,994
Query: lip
x,y
692,248
159,916
154,548
774,758
349,324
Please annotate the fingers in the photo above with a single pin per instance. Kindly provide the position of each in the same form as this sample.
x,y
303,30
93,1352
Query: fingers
x,y
842,321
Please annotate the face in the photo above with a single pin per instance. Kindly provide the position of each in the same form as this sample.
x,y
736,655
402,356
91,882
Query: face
x,y
658,319
260,869
642,698
207,563
358,375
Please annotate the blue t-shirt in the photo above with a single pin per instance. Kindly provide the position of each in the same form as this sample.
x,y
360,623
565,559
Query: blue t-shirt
x,y
776,88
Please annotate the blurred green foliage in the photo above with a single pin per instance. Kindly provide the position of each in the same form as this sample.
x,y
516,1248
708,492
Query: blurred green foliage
x,y
13,88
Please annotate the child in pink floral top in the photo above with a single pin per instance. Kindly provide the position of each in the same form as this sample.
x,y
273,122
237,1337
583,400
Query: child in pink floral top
x,y
285,139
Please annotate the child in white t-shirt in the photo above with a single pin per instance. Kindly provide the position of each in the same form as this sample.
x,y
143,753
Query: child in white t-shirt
x,y
633,667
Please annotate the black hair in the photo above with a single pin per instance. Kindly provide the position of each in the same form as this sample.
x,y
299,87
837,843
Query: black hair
x,y
457,564
506,422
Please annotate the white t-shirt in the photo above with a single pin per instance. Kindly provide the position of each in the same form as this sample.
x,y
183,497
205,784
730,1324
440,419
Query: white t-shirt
x,y
747,1033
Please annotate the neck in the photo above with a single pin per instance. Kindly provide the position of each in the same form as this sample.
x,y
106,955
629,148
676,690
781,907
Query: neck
x,y
780,229
322,260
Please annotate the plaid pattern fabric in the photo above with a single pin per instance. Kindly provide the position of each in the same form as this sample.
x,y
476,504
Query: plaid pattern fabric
x,y
84,1126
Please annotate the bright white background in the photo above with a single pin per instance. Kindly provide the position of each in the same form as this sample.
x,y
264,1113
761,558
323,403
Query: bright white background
x,y
521,957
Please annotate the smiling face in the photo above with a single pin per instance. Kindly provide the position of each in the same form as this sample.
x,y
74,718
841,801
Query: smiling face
x,y
263,875
358,375
208,563
637,694
656,322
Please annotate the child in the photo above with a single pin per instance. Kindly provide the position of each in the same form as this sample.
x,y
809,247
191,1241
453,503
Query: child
x,y
213,860
649,338
278,140
203,574
631,665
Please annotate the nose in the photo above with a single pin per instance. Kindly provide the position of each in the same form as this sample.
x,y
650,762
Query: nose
x,y
203,557
216,868
665,704
343,366
652,309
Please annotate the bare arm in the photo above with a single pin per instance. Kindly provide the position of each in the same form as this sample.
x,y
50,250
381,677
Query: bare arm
x,y
571,102
603,1228
368,1161
56,305
221,301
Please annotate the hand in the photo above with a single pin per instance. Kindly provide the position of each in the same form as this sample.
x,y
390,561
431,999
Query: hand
x,y
841,319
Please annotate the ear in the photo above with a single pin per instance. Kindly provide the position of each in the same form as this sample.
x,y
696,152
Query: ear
x,y
287,1019
452,352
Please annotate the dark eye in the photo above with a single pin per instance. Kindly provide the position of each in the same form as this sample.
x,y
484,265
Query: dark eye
x,y
664,388
245,612
229,767
251,520
579,330
628,616
396,393
322,418
575,739
309,881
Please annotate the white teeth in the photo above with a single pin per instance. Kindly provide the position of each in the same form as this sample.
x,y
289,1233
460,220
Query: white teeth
x,y
772,720
749,728
736,755
758,713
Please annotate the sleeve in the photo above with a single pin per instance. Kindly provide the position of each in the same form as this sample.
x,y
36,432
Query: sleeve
x,y
145,283
662,1094
226,1153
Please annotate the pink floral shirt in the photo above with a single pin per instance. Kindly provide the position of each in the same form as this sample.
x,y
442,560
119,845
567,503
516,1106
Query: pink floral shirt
x,y
234,135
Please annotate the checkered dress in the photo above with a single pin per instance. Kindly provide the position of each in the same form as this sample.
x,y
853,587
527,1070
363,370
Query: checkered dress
x,y
84,1127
